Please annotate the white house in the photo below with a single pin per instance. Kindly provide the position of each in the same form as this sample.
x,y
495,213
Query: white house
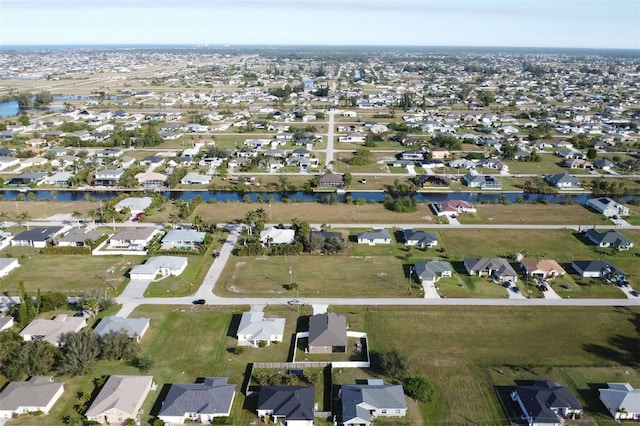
x,y
608,207
255,328
622,401
159,266
38,393
7,265
362,404
53,330
373,237
133,238
120,398
277,236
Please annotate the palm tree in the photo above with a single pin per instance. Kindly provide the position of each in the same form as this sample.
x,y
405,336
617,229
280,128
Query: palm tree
x,y
23,218
92,305
76,215
3,217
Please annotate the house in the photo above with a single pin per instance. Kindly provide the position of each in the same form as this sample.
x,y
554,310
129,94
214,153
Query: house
x,y
159,267
608,207
195,179
288,405
329,180
8,161
621,400
418,238
134,327
6,322
571,154
277,236
132,238
577,163
188,239
255,328
151,179
427,181
611,238
58,179
38,393
481,181
439,153
604,164
7,264
107,177
353,137
546,403
453,207
412,155
494,267
197,402
80,238
28,178
136,205
54,330
37,237
595,269
120,398
543,268
327,235
373,237
362,404
327,333
430,271
563,181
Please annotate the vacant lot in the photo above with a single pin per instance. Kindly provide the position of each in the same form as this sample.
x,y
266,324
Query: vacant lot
x,y
67,273
543,214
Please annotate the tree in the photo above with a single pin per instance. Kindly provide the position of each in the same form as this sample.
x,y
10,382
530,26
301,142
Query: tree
x,y
347,178
592,154
79,352
144,363
91,305
118,346
394,364
419,388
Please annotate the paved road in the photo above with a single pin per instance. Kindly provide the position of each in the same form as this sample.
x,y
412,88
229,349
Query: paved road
x,y
330,137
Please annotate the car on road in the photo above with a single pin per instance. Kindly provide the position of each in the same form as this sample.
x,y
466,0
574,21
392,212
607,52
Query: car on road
x,y
363,181
199,302
294,302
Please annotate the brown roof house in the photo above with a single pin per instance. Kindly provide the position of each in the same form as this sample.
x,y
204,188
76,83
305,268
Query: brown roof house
x,y
544,268
331,180
120,399
327,333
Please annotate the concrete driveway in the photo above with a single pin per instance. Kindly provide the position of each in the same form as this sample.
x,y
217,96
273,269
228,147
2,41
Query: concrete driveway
x,y
514,292
430,291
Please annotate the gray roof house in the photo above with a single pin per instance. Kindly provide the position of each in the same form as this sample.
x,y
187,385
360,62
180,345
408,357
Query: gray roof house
x,y
54,330
80,237
255,328
287,404
373,237
362,404
481,181
189,238
430,271
595,269
155,266
198,402
327,333
495,267
421,239
622,401
610,238
546,403
133,238
38,393
563,181
608,207
120,398
134,327
36,237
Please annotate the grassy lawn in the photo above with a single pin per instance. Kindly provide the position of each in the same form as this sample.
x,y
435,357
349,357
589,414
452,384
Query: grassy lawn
x,y
550,164
543,214
316,276
66,273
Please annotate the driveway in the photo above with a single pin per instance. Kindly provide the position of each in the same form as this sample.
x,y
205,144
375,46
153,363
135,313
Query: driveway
x,y
513,294
550,293
430,291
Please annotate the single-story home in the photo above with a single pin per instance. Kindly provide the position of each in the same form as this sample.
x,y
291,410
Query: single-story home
x,y
183,238
449,207
331,180
546,403
621,400
610,238
58,179
38,393
327,333
151,179
133,238
136,205
120,398
563,181
544,268
7,264
595,269
197,402
495,267
53,330
195,179
255,328
419,238
430,271
80,238
289,405
362,404
373,237
36,237
481,181
274,236
608,207
159,266
134,327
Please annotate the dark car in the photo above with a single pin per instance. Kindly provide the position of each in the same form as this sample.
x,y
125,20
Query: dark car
x,y
216,254
634,293
199,302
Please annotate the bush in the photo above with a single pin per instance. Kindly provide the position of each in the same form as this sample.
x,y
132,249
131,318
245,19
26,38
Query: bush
x,y
419,388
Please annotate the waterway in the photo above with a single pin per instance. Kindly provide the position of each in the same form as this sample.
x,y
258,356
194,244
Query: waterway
x,y
11,108
368,196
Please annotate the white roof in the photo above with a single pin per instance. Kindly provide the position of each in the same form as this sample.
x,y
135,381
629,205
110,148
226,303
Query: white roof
x,y
134,203
53,330
259,328
278,236
621,395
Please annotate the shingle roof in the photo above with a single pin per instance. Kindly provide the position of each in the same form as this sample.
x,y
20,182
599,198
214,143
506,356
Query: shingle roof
x,y
292,402
113,324
356,400
122,393
212,396
327,329
543,396
37,391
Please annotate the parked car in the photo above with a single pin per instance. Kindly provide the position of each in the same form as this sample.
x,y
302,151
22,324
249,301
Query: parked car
x,y
199,302
216,254
294,302
634,293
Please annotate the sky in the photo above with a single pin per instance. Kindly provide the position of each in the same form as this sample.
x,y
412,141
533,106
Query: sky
x,y
501,23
